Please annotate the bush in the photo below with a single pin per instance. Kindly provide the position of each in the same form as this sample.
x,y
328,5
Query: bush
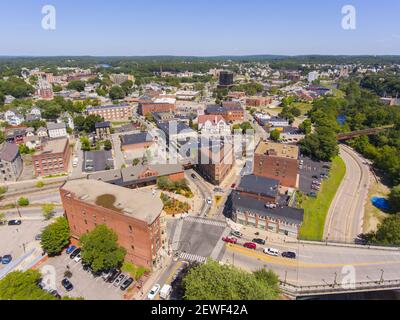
x,y
23,202
40,184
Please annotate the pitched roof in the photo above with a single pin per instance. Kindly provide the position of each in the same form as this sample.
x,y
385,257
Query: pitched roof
x,y
56,126
214,119
9,152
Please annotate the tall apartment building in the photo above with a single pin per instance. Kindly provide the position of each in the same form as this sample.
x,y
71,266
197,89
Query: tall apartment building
x,y
226,78
44,90
53,158
134,215
11,164
277,161
117,112
120,78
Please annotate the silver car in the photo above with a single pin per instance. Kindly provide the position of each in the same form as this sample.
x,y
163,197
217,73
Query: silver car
x,y
119,280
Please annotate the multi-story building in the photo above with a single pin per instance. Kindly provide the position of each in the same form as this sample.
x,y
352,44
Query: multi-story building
x,y
255,213
213,125
120,78
57,130
103,130
229,113
134,215
146,108
53,158
141,140
44,90
226,78
117,112
259,188
277,161
11,164
258,101
215,161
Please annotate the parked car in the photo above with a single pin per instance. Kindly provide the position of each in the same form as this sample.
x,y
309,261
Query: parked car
x,y
271,252
38,237
14,222
289,255
75,253
67,284
259,241
114,275
236,234
193,176
119,280
71,249
153,292
1,258
316,182
250,245
209,201
54,293
127,283
315,177
6,259
312,194
106,275
233,186
78,258
87,267
229,240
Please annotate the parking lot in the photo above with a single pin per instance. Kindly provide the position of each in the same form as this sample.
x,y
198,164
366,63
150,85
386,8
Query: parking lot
x,y
308,170
85,284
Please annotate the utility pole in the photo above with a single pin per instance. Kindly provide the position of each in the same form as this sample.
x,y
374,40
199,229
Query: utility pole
x,y
382,280
335,282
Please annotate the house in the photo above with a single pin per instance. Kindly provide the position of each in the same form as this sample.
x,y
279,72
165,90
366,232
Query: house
x,y
57,130
35,111
11,164
13,118
8,99
42,132
213,125
30,132
67,119
278,122
135,141
16,136
33,142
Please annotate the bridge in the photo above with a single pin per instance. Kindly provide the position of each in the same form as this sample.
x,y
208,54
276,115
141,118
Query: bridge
x,y
365,132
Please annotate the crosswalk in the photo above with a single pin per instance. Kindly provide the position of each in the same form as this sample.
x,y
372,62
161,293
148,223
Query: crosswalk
x,y
192,257
216,223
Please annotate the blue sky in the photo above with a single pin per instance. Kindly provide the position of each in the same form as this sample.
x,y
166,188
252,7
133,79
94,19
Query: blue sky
x,y
201,27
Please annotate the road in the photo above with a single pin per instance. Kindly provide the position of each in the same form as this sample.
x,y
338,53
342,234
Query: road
x,y
345,217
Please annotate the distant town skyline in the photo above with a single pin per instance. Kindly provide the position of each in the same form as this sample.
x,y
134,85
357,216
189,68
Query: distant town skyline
x,y
199,28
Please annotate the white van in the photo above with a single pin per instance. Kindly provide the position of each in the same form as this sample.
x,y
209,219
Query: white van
x,y
271,252
165,292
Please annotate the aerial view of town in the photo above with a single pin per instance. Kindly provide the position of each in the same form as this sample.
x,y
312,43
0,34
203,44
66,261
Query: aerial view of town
x,y
163,161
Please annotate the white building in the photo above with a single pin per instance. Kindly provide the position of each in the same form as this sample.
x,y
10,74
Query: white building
x,y
13,118
312,76
213,125
57,130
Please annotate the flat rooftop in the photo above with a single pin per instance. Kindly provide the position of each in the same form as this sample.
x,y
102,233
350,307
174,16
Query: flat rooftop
x,y
53,146
278,150
139,204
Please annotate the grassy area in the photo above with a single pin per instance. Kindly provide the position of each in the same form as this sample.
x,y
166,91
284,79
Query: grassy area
x,y
302,106
119,123
316,210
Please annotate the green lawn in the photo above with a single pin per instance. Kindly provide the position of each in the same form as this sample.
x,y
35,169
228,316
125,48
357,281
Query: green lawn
x,y
304,107
316,210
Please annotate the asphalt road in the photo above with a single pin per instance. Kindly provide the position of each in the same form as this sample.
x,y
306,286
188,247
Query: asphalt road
x,y
345,217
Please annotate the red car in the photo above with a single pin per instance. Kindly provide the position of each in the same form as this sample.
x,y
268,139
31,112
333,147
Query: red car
x,y
233,186
250,245
229,240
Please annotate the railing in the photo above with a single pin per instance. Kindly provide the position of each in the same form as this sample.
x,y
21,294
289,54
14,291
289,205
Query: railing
x,y
337,288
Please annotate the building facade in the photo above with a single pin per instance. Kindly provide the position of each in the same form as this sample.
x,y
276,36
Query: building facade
x,y
113,112
11,164
229,113
57,130
134,215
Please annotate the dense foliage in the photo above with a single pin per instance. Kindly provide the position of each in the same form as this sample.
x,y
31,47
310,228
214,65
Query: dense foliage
x,y
56,237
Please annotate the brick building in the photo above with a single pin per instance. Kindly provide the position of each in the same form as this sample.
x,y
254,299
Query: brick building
x,y
258,101
134,215
259,188
229,113
53,158
146,108
117,112
277,161
215,162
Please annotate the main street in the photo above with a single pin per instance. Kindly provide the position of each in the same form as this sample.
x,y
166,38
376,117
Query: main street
x,y
345,217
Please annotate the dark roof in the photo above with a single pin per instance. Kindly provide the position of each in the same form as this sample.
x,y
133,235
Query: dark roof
x,y
287,214
9,152
219,109
102,125
259,185
113,106
135,138
98,160
180,126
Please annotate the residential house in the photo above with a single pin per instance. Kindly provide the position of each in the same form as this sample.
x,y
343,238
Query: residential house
x,y
57,130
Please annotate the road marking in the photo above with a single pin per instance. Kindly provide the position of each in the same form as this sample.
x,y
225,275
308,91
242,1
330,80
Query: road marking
x,y
206,221
295,263
192,257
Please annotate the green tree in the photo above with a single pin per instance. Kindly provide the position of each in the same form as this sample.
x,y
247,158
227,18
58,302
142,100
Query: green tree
x,y
117,93
394,199
107,145
20,285
306,126
275,135
23,202
85,144
2,218
76,85
48,210
56,237
388,232
100,249
211,281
